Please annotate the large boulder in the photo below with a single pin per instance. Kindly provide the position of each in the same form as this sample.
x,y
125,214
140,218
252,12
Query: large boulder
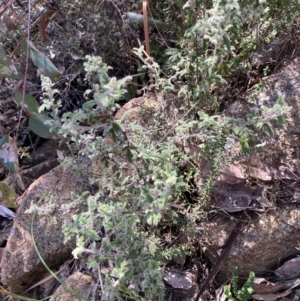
x,y
21,265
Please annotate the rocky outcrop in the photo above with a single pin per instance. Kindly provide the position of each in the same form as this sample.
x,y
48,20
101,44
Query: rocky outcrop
x,y
262,246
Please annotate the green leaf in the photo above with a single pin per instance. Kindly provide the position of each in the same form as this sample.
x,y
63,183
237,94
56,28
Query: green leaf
x,y
42,62
152,248
116,243
268,128
131,91
104,78
234,280
93,262
148,197
117,128
224,68
119,262
228,292
9,71
2,53
89,105
104,100
91,118
37,125
30,103
92,234
245,145
281,120
280,100
4,62
133,254
129,155
108,225
226,41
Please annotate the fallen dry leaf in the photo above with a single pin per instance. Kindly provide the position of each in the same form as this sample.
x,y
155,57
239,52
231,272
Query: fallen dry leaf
x,y
43,23
232,175
258,173
281,172
234,198
180,279
262,286
220,295
9,23
255,168
271,297
289,269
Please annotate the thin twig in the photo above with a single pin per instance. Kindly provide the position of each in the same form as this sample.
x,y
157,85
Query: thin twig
x,y
146,33
26,67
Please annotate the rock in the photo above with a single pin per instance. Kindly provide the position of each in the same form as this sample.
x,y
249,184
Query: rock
x,y
264,243
46,151
31,174
139,109
20,265
78,282
41,161
144,110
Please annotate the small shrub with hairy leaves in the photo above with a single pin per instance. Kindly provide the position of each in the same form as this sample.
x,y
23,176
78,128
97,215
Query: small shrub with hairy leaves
x,y
140,180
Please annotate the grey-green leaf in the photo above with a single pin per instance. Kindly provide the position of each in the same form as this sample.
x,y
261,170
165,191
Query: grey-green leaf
x,y
42,62
30,103
38,126
139,19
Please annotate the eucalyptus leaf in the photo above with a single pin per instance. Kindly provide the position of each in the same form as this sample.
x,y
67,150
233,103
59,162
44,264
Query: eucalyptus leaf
x,y
2,53
7,68
38,126
4,62
30,103
42,62
9,71
139,19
